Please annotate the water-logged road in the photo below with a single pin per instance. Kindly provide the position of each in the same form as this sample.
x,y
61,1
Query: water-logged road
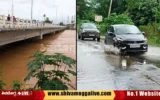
x,y
14,57
100,67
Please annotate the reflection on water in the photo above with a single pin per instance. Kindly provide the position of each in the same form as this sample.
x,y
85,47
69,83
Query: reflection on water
x,y
144,62
42,48
119,62
124,62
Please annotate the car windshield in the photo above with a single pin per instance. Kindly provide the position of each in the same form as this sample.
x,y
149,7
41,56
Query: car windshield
x,y
121,30
89,26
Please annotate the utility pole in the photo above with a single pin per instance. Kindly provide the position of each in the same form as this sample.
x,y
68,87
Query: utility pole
x,y
110,8
56,11
55,6
31,10
12,11
38,14
72,19
68,20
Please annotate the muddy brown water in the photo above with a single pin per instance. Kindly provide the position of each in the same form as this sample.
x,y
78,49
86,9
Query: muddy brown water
x,y
14,57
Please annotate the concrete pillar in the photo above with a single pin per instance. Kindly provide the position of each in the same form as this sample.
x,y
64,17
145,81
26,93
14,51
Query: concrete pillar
x,y
36,23
41,34
4,20
27,23
23,23
18,22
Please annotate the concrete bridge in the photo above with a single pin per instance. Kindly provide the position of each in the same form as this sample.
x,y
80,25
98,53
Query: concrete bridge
x,y
23,29
72,26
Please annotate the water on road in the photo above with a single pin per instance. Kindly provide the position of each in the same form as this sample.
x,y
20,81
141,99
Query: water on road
x,y
100,67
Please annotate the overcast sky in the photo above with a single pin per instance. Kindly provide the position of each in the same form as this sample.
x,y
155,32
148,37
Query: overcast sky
x,y
22,8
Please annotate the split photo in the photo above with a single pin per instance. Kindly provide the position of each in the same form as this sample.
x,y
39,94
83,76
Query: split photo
x,y
118,45
79,44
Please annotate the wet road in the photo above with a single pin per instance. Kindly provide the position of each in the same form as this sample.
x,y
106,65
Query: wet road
x,y
100,67
14,57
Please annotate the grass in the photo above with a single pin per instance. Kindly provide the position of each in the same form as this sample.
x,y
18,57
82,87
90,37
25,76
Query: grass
x,y
158,65
153,42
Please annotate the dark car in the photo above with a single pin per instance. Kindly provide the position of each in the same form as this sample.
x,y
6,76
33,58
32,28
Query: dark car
x,y
88,30
127,38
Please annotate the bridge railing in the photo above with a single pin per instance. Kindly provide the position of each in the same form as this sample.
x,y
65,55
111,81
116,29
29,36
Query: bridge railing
x,y
71,26
22,23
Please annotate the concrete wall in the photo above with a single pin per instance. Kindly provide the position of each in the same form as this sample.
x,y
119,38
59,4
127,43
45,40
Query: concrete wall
x,y
10,36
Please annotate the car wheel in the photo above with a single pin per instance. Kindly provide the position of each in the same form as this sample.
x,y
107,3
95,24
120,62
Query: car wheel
x,y
98,39
79,37
93,38
82,38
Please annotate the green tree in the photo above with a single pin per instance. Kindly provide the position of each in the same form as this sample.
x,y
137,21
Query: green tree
x,y
16,85
119,6
101,7
85,10
118,19
142,12
53,79
48,20
82,8
114,19
2,84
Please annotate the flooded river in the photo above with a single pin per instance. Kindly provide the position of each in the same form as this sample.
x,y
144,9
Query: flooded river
x,y
14,57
